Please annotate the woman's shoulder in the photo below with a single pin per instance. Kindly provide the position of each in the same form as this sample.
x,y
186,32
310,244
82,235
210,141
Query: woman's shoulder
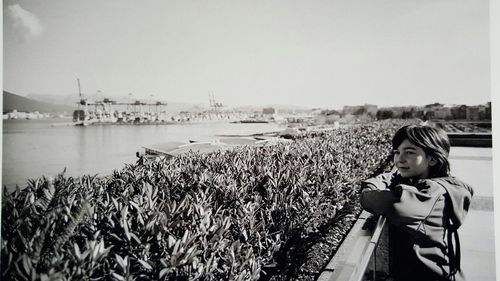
x,y
449,183
460,197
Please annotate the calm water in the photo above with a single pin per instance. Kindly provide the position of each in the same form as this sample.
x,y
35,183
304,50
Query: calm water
x,y
32,148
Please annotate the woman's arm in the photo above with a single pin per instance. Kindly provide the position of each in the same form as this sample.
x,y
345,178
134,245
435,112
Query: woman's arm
x,y
377,197
409,206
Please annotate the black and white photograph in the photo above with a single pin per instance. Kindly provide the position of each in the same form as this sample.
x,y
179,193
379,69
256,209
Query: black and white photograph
x,y
259,140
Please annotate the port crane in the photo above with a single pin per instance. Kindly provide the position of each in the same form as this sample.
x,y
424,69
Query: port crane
x,y
104,110
213,103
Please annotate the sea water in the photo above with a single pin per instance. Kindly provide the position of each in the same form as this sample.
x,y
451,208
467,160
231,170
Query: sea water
x,y
35,148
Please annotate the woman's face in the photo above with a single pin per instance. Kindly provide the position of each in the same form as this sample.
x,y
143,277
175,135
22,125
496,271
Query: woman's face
x,y
412,161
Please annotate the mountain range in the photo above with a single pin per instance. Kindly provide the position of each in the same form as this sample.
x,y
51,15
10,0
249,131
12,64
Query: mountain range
x,y
13,102
46,103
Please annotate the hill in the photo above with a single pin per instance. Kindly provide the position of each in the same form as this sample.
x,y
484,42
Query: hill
x,y
12,101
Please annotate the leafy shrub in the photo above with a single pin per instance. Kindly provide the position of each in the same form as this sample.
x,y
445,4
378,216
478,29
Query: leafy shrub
x,y
231,215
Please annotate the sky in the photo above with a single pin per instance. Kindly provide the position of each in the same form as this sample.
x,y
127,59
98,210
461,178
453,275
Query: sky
x,y
256,52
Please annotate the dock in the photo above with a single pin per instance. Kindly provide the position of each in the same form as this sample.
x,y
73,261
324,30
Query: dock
x,y
172,148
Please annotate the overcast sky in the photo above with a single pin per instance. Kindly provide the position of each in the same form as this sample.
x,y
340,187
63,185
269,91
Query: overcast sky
x,y
255,52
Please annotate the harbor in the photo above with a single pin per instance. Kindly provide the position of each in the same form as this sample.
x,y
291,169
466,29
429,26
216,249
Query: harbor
x,y
32,148
112,112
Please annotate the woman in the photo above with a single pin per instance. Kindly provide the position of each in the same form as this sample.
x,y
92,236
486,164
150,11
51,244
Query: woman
x,y
423,204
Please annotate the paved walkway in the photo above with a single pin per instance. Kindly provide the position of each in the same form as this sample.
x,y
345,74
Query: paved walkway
x,y
477,240
477,235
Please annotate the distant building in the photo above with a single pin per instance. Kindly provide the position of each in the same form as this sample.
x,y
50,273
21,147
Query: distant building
x,y
430,111
384,114
367,109
316,111
488,111
485,111
349,117
459,112
268,111
349,109
327,118
442,113
371,109
418,114
397,111
404,112
473,113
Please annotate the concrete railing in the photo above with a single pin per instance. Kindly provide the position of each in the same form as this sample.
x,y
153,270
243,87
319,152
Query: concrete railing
x,y
360,252
470,139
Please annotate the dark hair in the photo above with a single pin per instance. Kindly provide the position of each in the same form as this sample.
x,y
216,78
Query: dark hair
x,y
433,141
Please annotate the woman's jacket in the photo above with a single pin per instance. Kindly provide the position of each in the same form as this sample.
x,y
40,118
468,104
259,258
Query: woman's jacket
x,y
428,210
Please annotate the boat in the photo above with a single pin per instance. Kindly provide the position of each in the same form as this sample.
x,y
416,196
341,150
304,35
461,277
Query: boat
x,y
81,123
250,121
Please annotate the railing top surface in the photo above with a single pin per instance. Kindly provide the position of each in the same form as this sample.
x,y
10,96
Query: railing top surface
x,y
352,257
